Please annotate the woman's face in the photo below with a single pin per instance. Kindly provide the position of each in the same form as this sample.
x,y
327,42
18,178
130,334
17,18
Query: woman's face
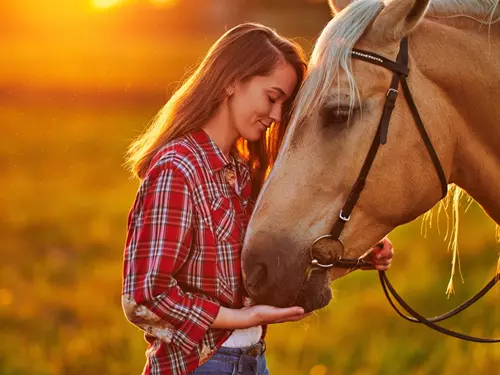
x,y
258,102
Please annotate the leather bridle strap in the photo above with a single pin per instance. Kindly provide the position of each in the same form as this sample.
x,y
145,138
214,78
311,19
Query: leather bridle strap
x,y
400,66
380,136
425,136
431,322
400,72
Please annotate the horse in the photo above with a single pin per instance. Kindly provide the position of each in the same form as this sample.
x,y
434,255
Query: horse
x,y
454,77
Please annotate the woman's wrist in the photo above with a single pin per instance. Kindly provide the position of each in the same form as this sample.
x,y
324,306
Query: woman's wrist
x,y
256,315
230,319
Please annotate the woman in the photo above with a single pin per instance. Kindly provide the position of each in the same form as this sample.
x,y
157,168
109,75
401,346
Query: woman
x,y
202,162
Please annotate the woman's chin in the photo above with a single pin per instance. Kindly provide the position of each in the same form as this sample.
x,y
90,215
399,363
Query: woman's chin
x,y
254,135
258,136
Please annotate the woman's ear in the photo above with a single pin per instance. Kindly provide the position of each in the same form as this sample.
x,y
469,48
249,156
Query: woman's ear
x,y
230,90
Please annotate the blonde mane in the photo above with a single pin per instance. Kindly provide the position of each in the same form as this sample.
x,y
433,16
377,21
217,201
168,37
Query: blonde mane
x,y
483,11
332,50
332,55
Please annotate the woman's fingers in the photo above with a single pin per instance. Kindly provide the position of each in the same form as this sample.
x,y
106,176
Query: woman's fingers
x,y
382,255
264,314
383,266
293,318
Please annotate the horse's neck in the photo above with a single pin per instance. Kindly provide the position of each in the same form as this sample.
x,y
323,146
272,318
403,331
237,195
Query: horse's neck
x,y
463,60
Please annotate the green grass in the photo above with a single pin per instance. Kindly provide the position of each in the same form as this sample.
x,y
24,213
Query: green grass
x,y
65,201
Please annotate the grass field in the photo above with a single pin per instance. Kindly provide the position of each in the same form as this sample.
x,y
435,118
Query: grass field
x,y
65,198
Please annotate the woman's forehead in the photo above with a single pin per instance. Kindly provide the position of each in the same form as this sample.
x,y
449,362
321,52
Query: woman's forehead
x,y
282,79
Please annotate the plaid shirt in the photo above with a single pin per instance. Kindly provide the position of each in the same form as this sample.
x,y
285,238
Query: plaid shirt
x,y
182,254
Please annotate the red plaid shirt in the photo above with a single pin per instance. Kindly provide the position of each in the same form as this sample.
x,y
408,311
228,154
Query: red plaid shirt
x,y
182,254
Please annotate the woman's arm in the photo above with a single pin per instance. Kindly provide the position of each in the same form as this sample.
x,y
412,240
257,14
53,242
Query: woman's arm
x,y
158,242
255,316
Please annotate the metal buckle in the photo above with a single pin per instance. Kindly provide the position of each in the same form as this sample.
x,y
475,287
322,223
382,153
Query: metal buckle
x,y
341,216
315,262
392,90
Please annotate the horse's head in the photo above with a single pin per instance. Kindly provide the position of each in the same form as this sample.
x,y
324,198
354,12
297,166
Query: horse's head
x,y
337,113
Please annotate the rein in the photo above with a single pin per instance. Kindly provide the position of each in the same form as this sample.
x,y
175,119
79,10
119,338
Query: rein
x,y
400,72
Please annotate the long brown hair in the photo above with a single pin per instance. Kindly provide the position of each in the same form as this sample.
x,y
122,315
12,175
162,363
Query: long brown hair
x,y
244,51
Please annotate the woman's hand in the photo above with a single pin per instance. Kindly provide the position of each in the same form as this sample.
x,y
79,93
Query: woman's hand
x,y
382,255
264,314
256,315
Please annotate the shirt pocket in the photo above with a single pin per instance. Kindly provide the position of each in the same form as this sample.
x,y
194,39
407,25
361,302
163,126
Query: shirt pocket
x,y
226,229
225,220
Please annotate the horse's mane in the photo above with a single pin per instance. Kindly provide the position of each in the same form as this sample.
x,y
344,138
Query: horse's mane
x,y
332,54
334,45
483,11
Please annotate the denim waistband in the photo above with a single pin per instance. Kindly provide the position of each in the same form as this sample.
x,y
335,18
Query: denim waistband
x,y
237,361
252,350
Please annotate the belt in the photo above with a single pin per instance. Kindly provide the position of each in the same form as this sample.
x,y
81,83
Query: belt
x,y
256,349
252,351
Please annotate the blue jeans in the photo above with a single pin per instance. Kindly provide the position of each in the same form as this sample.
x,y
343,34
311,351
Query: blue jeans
x,y
236,361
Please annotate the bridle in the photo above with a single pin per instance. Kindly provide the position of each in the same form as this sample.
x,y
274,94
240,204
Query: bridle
x,y
400,72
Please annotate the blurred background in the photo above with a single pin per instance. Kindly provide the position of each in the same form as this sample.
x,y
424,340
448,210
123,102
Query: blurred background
x,y
79,80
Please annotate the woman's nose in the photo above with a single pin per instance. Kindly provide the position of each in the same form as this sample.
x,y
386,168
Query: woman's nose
x,y
275,113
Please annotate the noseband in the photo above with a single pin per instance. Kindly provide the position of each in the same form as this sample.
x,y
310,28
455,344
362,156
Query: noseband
x,y
400,72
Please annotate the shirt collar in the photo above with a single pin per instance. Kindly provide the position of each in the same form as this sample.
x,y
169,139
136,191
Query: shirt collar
x,y
213,157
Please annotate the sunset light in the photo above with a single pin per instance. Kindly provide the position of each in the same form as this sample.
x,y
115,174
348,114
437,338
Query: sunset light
x,y
106,4
81,80
164,2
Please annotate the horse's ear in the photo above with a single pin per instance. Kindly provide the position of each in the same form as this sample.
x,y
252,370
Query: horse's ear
x,y
397,19
337,5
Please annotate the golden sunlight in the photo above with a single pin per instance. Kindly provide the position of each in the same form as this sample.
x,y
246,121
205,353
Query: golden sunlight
x,y
164,2
106,4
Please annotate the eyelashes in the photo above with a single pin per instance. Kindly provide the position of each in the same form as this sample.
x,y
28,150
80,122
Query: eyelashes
x,y
337,115
273,101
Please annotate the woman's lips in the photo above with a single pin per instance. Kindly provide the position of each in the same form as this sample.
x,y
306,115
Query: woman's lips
x,y
266,126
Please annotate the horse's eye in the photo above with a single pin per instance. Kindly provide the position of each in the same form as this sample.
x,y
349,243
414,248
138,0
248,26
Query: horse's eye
x,y
339,116
336,116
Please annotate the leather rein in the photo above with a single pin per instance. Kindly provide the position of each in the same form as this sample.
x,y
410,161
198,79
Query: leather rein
x,y
400,72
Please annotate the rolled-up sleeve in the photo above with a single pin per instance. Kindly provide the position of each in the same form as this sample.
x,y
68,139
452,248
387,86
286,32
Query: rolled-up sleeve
x,y
160,232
